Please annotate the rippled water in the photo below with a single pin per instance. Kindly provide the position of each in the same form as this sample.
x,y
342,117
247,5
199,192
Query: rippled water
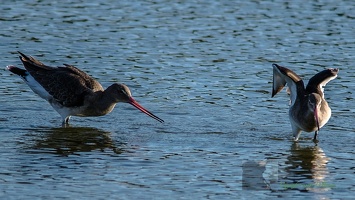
x,y
202,66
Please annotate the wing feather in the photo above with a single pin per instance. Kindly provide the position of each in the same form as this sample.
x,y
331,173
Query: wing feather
x,y
68,85
283,76
317,82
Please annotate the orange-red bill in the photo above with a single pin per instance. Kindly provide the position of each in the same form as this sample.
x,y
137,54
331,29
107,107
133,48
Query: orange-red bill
x,y
141,108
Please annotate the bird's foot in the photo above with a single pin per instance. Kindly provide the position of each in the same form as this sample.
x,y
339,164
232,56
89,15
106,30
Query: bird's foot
x,y
65,125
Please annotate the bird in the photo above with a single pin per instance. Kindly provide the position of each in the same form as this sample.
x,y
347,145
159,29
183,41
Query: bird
x,y
71,91
309,111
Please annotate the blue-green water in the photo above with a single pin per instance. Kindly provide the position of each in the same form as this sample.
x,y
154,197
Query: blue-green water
x,y
202,66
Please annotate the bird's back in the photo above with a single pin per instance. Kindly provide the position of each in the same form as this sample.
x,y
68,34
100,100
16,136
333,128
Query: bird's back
x,y
67,85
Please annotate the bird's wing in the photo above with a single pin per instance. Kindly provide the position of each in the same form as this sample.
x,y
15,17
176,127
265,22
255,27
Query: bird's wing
x,y
317,82
65,84
281,76
32,60
89,81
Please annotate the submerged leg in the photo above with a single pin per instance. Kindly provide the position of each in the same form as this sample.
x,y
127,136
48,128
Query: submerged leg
x,y
66,121
315,137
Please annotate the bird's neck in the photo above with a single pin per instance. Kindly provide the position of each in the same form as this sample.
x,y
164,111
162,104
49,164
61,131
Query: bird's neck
x,y
101,104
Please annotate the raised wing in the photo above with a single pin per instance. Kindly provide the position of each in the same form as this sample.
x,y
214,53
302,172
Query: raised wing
x,y
281,76
68,85
317,82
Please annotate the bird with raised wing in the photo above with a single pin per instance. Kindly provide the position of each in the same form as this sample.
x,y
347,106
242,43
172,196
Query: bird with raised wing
x,y
309,111
72,92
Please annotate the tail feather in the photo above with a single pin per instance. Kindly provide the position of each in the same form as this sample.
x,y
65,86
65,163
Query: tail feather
x,y
31,63
23,56
17,71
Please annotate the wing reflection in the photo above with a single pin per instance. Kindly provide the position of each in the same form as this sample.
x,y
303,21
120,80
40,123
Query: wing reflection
x,y
252,178
71,140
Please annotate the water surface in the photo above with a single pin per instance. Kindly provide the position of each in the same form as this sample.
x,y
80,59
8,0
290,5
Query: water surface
x,y
202,66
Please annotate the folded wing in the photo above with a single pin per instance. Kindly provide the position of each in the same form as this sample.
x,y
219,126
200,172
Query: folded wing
x,y
67,85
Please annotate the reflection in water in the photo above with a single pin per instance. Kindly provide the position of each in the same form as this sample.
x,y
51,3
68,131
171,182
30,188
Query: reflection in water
x,y
305,164
70,140
253,176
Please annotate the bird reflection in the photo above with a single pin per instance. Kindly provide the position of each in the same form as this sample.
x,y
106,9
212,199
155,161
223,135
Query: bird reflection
x,y
307,163
253,176
71,140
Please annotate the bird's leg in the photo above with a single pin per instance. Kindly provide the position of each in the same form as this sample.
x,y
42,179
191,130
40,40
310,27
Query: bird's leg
x,y
315,137
65,122
296,132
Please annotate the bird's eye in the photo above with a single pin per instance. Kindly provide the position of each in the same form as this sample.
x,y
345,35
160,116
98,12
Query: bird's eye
x,y
126,92
123,91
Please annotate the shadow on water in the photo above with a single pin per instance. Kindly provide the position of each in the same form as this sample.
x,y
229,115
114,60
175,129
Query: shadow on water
x,y
306,169
71,140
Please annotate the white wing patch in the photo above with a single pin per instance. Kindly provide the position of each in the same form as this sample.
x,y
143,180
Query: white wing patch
x,y
279,82
36,87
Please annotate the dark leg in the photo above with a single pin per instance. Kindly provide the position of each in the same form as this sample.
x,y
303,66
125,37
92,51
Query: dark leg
x,y
65,122
315,137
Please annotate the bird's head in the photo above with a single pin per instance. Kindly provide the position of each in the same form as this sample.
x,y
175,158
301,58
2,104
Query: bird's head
x,y
121,93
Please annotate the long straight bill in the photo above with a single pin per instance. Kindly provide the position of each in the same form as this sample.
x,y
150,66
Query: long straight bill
x,y
141,108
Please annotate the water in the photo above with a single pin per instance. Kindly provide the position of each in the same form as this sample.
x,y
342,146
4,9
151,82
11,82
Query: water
x,y
202,66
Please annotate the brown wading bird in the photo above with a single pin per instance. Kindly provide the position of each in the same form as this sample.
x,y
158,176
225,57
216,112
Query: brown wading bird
x,y
72,92
309,111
